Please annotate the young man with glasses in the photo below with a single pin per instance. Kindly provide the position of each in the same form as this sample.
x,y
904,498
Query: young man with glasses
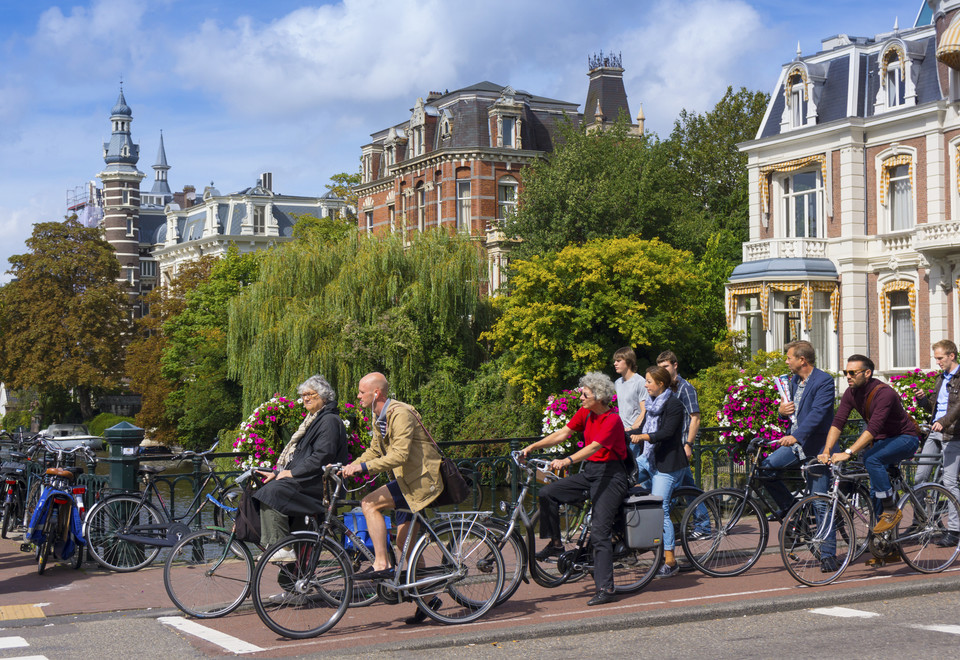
x,y
944,404
891,435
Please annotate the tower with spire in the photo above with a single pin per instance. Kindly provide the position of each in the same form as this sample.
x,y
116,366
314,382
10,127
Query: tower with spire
x,y
606,96
161,188
121,198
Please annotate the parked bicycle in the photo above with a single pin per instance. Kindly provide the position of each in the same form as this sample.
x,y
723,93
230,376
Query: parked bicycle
x,y
126,531
739,528
208,573
14,476
453,571
56,524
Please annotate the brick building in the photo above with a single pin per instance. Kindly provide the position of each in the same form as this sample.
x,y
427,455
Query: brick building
x,y
855,199
456,160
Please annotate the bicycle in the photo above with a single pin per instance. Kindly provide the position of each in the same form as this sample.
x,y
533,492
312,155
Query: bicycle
x,y
456,556
824,533
738,529
14,475
126,531
208,573
55,526
633,568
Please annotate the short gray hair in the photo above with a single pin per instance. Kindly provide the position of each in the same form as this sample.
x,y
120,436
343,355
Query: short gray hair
x,y
318,384
600,384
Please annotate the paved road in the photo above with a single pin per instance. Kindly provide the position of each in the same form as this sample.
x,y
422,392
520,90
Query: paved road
x,y
92,597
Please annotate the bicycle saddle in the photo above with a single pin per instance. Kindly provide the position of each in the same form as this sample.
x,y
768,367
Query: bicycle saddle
x,y
63,473
150,469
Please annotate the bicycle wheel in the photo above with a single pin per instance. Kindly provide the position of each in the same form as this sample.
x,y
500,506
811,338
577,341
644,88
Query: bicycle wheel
x,y
111,517
45,549
811,544
78,556
863,517
557,569
634,569
7,517
679,501
359,556
33,498
737,533
208,573
230,497
309,594
514,553
471,584
926,514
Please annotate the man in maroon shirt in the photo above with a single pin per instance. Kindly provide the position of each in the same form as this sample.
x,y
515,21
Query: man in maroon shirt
x,y
890,437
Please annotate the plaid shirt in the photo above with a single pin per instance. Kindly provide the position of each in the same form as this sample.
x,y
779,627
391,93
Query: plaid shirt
x,y
688,397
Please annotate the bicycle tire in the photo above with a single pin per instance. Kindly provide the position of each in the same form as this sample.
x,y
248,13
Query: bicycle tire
x,y
458,599
863,517
360,558
229,496
78,556
513,551
314,589
554,571
33,498
208,573
925,519
7,516
45,549
106,519
810,527
681,498
737,537
634,569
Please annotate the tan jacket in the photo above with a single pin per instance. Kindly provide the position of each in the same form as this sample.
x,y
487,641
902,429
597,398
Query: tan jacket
x,y
409,453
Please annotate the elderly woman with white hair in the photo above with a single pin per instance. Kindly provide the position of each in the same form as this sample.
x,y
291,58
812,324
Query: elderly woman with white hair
x,y
296,488
603,475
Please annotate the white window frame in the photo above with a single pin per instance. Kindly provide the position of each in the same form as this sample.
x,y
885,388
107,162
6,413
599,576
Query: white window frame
x,y
750,321
507,207
787,221
893,202
368,216
897,313
148,268
896,86
464,212
420,196
259,220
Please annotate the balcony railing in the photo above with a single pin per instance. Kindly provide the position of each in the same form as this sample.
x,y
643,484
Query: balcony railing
x,y
937,237
785,248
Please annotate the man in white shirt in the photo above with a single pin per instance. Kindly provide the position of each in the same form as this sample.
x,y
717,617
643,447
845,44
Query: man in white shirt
x,y
630,391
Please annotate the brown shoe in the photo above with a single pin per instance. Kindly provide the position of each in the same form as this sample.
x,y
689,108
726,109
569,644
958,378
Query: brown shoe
x,y
888,520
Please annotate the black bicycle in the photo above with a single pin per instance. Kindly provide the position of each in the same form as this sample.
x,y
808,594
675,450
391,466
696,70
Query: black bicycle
x,y
125,532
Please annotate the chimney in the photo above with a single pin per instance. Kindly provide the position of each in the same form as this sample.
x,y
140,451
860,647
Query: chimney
x,y
266,180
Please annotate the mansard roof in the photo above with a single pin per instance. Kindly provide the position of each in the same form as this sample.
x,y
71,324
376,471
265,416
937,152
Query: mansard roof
x,y
836,96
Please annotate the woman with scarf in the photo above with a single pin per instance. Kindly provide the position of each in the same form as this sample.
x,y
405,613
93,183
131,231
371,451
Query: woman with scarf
x,y
296,488
661,426
603,475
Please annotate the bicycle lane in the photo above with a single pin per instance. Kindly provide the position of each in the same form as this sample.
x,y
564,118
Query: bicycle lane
x,y
537,612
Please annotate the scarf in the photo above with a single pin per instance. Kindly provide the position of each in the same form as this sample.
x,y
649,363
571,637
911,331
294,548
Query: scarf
x,y
651,421
287,454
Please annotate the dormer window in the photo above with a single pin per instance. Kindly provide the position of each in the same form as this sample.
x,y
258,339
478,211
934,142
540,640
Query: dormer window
x,y
797,101
897,87
508,127
259,223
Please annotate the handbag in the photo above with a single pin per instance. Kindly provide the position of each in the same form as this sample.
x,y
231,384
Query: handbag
x,y
247,523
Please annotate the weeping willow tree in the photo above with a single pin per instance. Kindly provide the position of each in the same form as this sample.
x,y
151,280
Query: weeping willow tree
x,y
357,305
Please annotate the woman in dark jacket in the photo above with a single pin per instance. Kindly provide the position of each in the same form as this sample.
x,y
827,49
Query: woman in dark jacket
x,y
296,489
662,426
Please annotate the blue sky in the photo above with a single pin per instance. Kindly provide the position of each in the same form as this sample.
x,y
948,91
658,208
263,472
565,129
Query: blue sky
x,y
296,87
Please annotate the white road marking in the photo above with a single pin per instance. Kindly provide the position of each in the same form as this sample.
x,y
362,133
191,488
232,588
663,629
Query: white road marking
x,y
30,657
953,630
844,612
223,640
12,642
738,593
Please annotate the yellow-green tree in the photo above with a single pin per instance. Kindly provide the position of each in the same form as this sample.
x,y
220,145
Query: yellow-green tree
x,y
569,310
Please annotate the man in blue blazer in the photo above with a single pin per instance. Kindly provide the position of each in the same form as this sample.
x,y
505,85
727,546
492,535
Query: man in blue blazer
x,y
810,409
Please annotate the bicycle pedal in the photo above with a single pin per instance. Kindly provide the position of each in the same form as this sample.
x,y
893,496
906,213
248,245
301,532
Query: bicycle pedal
x,y
26,547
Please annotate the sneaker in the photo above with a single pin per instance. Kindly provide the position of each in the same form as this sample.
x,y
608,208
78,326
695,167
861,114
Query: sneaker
x,y
829,565
668,571
948,540
550,551
698,535
888,520
284,556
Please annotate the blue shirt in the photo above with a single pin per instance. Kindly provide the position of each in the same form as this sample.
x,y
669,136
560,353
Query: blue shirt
x,y
688,397
943,396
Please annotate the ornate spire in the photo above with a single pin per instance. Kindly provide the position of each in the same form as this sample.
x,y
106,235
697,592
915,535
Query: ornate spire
x,y
160,185
121,150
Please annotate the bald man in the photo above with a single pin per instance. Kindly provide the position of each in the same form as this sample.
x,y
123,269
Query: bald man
x,y
402,446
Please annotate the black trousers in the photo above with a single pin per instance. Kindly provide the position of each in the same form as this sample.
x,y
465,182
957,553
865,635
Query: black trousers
x,y
607,485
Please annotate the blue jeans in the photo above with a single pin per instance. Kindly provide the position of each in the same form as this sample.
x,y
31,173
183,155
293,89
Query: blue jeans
x,y
889,451
663,485
646,471
785,458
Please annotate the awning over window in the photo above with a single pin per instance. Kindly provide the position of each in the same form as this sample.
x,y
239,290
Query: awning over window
x,y
948,51
766,275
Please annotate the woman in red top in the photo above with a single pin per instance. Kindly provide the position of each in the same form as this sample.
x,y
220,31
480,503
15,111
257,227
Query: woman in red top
x,y
603,475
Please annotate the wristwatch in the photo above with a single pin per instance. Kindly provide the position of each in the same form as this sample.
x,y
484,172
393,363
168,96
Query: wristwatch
x,y
848,452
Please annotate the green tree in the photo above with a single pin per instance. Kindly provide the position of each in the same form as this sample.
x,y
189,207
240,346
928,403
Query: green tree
x,y
358,305
64,318
569,310
326,229
344,185
595,185
205,399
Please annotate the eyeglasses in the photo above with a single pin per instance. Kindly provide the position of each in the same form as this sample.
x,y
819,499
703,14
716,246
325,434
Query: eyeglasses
x,y
584,395
309,396
853,372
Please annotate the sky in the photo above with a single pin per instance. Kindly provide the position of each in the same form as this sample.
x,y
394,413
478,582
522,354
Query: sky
x,y
296,87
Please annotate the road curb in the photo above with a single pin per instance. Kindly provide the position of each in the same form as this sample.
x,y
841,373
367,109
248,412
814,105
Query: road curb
x,y
666,617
